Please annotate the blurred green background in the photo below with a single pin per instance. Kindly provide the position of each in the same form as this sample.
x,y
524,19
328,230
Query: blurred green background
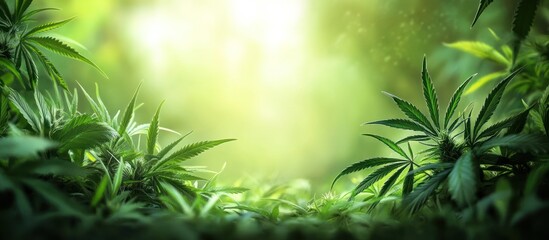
x,y
292,80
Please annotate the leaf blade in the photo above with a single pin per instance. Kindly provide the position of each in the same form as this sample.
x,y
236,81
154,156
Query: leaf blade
x,y
128,113
47,27
374,177
389,144
59,47
412,112
491,102
430,94
368,163
190,151
462,183
401,124
454,101
417,198
391,181
481,7
152,134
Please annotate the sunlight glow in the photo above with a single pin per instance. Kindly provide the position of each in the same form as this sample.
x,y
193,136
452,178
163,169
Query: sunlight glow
x,y
238,35
246,63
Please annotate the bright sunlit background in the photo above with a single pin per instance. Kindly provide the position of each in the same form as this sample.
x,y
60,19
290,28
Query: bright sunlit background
x,y
292,80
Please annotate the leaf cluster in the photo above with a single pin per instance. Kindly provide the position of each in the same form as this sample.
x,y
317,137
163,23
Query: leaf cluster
x,y
464,155
21,46
529,83
523,19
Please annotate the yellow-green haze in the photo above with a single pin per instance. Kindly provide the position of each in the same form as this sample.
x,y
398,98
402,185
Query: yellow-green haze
x,y
292,80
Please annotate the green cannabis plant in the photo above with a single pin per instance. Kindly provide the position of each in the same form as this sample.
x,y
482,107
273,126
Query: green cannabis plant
x,y
464,156
460,172
145,172
21,44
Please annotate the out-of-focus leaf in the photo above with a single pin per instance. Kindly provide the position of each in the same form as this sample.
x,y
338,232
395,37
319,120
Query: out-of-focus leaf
x,y
524,17
481,7
483,81
519,142
29,14
100,191
52,167
117,179
480,50
55,197
10,67
23,146
21,7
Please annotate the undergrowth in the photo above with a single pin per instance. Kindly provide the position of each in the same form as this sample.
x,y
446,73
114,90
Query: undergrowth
x,y
68,173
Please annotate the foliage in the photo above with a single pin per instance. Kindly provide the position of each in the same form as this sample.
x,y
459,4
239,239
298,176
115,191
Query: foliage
x,y
469,154
530,82
117,170
525,14
20,45
65,173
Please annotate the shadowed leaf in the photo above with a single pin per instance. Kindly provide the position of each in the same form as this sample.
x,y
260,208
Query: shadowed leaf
x,y
518,142
491,102
524,17
462,181
506,123
23,146
417,198
391,181
408,184
481,7
374,177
